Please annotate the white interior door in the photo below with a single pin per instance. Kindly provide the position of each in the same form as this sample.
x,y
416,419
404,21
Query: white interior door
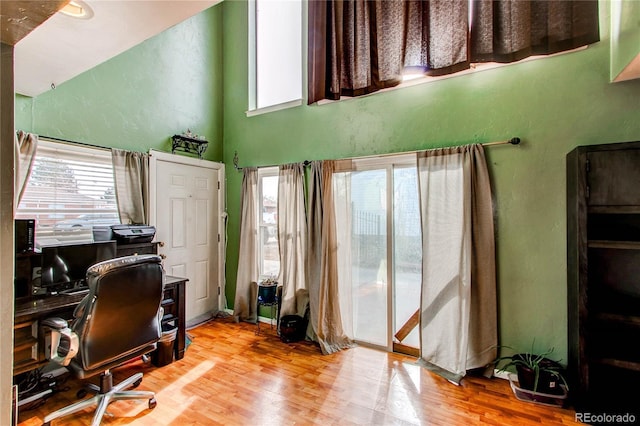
x,y
187,210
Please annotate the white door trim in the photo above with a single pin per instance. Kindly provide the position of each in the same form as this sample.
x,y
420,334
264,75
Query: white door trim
x,y
154,157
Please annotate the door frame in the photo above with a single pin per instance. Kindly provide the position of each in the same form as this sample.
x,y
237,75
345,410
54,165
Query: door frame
x,y
154,157
389,163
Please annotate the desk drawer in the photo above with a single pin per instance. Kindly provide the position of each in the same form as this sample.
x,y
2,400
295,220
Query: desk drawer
x,y
25,346
169,302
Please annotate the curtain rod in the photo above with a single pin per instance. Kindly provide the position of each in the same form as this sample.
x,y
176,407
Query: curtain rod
x,y
512,141
75,142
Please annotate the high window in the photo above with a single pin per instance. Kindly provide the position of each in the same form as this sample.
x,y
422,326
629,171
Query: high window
x,y
275,55
70,190
269,265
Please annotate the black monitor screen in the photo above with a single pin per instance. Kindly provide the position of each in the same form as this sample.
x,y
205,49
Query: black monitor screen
x,y
69,263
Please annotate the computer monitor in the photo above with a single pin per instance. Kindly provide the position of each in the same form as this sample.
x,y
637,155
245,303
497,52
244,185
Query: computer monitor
x,y
65,266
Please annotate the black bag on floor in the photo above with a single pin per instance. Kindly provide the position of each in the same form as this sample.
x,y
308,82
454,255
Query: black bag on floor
x,y
292,328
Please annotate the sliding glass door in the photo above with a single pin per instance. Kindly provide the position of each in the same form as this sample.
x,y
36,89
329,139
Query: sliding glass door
x,y
378,222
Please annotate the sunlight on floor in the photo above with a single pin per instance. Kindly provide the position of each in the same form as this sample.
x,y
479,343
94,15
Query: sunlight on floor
x,y
173,392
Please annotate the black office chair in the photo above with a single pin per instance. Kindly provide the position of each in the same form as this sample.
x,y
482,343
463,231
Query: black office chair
x,y
118,321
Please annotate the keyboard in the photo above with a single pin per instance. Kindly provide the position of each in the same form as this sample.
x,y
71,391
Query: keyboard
x,y
74,291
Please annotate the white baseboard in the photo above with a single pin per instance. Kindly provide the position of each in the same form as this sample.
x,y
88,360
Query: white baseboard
x,y
501,374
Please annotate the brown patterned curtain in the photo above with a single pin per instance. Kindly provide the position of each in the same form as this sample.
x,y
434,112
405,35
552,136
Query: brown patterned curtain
x,y
510,30
357,47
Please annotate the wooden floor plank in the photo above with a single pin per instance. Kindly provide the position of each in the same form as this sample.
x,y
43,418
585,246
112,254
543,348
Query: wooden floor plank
x,y
231,376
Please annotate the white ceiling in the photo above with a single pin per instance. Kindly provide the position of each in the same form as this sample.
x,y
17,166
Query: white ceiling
x,y
64,47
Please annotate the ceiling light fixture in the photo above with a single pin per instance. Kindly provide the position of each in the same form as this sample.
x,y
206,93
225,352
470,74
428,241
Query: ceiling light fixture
x,y
77,9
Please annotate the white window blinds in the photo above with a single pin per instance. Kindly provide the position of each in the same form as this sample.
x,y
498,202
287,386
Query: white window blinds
x,y
71,189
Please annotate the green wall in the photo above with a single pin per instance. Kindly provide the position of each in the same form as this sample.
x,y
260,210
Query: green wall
x,y
140,98
553,104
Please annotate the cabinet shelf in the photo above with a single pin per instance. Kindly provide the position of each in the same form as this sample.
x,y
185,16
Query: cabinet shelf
x,y
616,318
614,209
618,363
609,244
25,344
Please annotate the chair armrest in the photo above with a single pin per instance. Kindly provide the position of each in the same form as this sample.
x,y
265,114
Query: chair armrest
x,y
55,323
64,342
160,315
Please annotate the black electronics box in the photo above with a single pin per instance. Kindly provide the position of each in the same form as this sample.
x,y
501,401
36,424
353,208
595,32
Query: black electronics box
x,y
293,328
25,233
129,234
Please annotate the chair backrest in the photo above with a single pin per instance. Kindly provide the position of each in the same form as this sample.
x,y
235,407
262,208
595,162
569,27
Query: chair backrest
x,y
121,312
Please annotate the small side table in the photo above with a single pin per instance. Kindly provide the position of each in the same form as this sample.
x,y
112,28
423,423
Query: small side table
x,y
267,296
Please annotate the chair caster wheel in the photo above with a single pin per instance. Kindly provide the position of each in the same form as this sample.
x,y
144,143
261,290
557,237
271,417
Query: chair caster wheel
x,y
136,384
81,393
152,403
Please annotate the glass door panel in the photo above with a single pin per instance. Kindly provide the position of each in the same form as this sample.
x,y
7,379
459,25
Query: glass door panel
x,y
369,256
407,258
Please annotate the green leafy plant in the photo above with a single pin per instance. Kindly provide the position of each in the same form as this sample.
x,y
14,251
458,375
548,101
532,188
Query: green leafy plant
x,y
535,371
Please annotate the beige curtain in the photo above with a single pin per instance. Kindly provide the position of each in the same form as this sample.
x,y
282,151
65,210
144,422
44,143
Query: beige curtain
x,y
332,326
292,239
131,175
25,152
458,321
314,245
245,304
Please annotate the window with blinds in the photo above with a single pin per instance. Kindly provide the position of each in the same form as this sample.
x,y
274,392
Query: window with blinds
x,y
70,190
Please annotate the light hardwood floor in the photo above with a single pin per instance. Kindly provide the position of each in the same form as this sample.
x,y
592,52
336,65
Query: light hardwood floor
x,y
231,376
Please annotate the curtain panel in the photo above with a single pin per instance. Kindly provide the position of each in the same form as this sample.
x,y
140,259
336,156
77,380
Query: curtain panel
x,y
325,302
458,321
292,239
314,245
26,145
358,47
511,30
245,302
131,176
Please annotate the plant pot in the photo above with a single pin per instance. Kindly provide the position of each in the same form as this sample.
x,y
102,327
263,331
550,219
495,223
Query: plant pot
x,y
555,400
547,382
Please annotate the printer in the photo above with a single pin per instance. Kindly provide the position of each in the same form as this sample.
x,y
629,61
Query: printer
x,y
129,234
124,234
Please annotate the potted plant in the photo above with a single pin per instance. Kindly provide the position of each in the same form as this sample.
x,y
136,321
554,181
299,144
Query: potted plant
x,y
536,372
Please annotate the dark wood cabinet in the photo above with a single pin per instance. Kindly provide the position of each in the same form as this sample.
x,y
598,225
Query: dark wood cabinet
x,y
603,266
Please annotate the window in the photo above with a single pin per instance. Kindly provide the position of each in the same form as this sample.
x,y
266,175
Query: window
x,y
275,55
268,252
70,190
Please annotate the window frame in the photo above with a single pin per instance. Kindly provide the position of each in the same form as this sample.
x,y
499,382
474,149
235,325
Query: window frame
x,y
253,88
51,151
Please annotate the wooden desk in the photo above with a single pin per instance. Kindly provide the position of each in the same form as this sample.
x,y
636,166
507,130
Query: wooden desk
x,y
30,340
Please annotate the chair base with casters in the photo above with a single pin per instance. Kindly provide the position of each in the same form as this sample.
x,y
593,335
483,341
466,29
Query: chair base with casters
x,y
106,393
